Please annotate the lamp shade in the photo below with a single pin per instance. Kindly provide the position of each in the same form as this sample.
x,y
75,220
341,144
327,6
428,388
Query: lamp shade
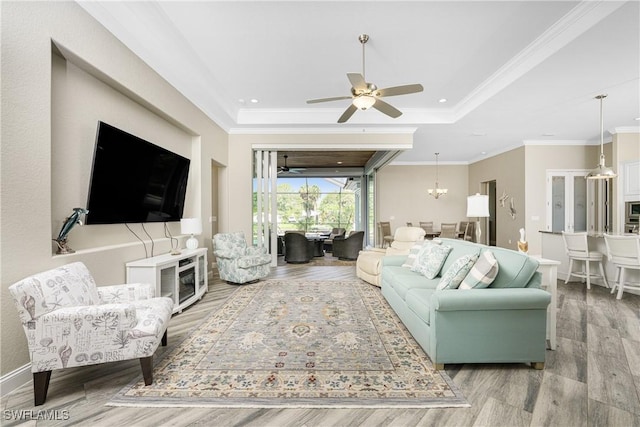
x,y
478,205
190,226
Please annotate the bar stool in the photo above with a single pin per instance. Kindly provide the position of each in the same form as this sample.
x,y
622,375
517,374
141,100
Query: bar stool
x,y
624,253
577,247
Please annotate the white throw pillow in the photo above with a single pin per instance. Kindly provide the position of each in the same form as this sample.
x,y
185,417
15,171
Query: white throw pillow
x,y
483,272
430,259
413,252
457,271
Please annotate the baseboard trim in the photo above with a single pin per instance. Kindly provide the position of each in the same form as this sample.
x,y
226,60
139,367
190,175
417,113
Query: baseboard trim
x,y
15,379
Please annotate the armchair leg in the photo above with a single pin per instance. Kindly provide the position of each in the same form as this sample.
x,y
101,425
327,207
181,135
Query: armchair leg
x,y
537,365
40,386
438,366
147,369
164,339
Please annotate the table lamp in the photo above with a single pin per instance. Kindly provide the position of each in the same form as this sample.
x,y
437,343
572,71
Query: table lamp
x,y
191,226
478,207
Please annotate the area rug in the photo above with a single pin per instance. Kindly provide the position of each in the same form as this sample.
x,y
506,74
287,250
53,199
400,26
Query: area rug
x,y
293,344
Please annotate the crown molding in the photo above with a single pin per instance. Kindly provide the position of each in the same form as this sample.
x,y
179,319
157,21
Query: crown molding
x,y
625,129
556,142
324,131
329,116
428,163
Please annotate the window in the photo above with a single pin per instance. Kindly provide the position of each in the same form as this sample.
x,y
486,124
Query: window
x,y
315,205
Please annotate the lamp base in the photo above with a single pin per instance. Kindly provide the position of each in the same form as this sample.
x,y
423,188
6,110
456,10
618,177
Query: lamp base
x,y
192,243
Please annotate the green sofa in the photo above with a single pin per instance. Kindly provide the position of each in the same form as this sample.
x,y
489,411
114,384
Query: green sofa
x,y
504,323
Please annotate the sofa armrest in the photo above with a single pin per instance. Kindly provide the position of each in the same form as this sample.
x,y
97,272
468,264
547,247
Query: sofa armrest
x,y
490,299
393,260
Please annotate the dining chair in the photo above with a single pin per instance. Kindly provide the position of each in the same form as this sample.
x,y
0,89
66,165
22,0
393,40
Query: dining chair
x,y
624,253
449,230
385,233
577,249
409,224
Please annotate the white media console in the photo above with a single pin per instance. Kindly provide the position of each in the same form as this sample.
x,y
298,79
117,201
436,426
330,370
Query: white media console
x,y
183,278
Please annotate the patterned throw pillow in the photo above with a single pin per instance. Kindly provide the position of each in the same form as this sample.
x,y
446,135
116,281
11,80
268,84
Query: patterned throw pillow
x,y
457,271
413,252
430,258
483,273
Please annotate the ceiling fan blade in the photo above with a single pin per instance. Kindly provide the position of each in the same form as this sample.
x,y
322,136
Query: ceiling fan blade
x,y
347,113
357,81
387,109
335,98
399,90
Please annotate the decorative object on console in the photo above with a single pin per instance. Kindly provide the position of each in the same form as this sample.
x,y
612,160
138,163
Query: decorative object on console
x,y
601,171
191,226
523,245
437,192
69,223
478,206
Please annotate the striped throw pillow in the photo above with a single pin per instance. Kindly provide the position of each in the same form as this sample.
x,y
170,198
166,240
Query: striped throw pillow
x,y
483,272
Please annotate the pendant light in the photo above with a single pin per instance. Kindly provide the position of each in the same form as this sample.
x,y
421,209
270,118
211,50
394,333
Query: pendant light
x,y
437,192
601,171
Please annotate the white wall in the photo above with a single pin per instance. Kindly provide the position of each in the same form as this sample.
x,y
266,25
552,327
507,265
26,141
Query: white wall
x,y
38,144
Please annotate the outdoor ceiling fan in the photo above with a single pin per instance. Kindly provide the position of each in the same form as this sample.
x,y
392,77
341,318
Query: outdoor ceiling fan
x,y
366,95
286,168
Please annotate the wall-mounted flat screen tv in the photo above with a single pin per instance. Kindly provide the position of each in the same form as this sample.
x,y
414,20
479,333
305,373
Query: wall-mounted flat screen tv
x,y
133,180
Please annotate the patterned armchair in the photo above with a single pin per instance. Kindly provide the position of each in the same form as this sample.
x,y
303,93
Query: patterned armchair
x,y
69,321
237,262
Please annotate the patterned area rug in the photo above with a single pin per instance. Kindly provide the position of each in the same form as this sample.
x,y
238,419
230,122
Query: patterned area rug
x,y
310,344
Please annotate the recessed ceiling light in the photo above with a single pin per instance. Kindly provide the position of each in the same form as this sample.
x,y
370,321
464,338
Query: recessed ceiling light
x,y
241,101
442,100
254,101
339,162
637,118
483,152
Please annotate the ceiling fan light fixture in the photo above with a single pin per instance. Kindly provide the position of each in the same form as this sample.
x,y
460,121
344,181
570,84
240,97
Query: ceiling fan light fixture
x,y
364,102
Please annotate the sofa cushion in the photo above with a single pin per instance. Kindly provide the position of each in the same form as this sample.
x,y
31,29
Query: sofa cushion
x,y
483,272
459,269
401,280
418,302
430,259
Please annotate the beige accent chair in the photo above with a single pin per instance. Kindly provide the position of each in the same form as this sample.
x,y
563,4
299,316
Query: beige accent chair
x,y
369,262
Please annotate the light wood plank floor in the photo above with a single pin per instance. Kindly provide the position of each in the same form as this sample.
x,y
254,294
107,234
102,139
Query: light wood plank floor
x,y
593,379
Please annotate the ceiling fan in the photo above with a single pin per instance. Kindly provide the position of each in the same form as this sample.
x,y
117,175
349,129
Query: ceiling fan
x,y
366,95
286,168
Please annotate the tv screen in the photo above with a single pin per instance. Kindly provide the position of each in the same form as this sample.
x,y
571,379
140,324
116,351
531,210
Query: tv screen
x,y
133,180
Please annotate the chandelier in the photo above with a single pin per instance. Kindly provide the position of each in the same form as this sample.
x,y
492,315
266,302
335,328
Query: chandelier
x,y
437,192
